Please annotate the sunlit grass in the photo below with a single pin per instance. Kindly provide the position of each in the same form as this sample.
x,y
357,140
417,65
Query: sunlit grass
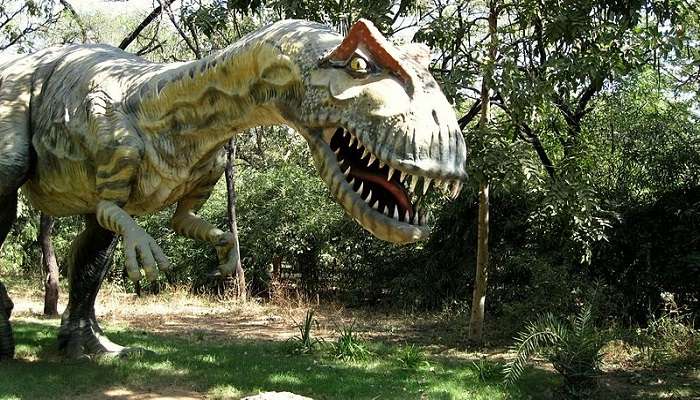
x,y
234,369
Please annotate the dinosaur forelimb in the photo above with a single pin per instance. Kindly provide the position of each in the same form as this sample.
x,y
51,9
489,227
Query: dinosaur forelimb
x,y
138,245
187,223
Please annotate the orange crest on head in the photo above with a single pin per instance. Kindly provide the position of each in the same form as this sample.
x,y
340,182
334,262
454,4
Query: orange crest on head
x,y
364,32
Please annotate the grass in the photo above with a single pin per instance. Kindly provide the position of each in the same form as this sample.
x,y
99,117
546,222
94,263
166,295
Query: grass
x,y
235,368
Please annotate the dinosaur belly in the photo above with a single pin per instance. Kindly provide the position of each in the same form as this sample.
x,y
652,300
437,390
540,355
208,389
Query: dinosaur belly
x,y
63,190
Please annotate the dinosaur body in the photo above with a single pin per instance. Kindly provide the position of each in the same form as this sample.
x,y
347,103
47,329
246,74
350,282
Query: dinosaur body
x,y
92,130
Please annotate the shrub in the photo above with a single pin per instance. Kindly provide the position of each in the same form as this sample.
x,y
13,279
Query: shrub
x,y
350,346
669,339
573,347
487,371
411,357
305,342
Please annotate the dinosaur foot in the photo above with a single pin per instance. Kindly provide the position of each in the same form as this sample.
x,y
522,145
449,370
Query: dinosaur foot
x,y
84,339
7,344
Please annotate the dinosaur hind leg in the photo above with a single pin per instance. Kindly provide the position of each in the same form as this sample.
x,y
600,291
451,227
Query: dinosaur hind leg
x,y
89,262
8,210
15,166
8,214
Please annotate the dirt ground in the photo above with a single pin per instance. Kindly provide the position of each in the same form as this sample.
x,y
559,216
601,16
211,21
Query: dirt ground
x,y
177,312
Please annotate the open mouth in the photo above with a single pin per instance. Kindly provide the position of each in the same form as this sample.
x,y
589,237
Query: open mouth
x,y
382,198
379,185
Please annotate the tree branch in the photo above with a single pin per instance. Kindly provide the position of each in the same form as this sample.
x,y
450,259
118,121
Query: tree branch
x,y
526,133
470,115
183,35
76,18
147,21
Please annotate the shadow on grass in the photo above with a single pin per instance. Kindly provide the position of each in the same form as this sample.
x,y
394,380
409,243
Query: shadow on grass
x,y
237,368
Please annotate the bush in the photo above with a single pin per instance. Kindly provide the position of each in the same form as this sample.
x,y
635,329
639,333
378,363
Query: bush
x,y
670,339
350,346
305,342
573,347
411,357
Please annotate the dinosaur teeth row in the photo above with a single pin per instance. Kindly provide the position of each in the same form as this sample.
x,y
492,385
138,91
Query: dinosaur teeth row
x,y
419,218
451,188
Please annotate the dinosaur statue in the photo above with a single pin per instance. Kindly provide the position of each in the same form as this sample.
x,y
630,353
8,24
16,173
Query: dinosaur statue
x,y
99,132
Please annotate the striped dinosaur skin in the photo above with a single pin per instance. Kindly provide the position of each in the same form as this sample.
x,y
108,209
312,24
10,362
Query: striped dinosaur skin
x,y
93,130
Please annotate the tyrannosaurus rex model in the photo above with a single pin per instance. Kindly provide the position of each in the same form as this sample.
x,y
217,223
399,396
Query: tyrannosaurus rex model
x,y
93,130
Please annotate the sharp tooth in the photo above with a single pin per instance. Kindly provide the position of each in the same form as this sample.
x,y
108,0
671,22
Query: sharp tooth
x,y
426,185
415,218
403,176
446,186
396,213
364,154
372,159
456,188
358,145
352,181
337,151
359,190
381,164
390,174
347,171
376,204
386,211
352,139
369,197
414,182
345,133
407,217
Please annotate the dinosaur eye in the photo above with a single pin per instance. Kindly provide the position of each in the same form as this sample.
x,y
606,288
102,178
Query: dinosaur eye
x,y
358,64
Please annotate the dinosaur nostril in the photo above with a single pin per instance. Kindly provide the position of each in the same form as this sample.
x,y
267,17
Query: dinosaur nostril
x,y
435,117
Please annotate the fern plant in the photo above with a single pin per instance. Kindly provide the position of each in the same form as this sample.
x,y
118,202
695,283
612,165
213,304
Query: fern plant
x,y
572,346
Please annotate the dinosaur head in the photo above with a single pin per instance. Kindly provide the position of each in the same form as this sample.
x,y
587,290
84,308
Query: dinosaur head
x,y
381,132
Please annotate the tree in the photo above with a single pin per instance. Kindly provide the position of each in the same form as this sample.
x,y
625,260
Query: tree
x,y
49,265
230,172
476,321
20,20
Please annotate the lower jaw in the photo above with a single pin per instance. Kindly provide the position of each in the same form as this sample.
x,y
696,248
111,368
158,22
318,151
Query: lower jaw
x,y
379,225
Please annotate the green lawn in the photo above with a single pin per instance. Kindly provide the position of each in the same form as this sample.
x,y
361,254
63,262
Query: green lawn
x,y
235,368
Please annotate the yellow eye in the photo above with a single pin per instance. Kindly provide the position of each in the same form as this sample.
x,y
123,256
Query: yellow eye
x,y
358,64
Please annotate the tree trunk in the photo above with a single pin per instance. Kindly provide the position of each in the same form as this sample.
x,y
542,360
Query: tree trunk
x,y
49,266
476,321
230,173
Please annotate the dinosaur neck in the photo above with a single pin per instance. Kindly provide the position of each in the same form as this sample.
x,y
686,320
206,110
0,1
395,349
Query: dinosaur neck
x,y
206,97
191,109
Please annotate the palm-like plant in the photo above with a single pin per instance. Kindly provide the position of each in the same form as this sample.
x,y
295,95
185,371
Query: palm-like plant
x,y
305,342
573,347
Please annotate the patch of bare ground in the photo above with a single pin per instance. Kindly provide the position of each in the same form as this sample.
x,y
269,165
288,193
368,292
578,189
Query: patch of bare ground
x,y
178,312
156,393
